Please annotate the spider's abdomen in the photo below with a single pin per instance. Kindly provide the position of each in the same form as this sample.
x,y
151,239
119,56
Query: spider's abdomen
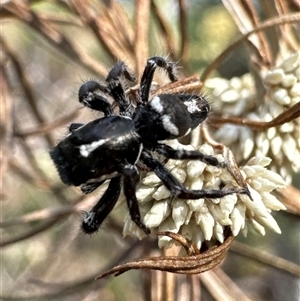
x,y
96,149
169,116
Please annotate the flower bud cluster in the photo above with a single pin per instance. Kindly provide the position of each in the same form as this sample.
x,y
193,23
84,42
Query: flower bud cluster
x,y
239,97
205,219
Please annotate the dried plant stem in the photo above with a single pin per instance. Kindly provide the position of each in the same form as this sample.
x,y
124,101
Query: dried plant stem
x,y
266,258
141,34
183,32
286,116
227,285
55,37
215,287
291,18
166,30
290,196
48,126
6,123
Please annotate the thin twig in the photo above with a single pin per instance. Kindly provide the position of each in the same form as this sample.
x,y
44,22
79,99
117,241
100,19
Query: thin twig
x,y
266,258
291,18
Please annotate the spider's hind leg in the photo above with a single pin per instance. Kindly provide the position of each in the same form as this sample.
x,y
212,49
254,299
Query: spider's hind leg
x,y
104,206
130,180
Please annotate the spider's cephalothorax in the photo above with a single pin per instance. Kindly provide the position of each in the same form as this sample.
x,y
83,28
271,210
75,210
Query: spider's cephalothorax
x,y
111,147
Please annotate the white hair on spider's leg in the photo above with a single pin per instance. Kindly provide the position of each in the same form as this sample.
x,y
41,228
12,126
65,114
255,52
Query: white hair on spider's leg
x,y
89,217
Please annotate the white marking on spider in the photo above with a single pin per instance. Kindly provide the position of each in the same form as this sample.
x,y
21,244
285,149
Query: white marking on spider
x,y
139,154
192,106
156,104
187,132
86,149
169,126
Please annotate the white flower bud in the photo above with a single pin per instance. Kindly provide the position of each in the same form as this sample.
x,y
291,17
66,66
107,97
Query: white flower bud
x,y
263,161
219,215
180,174
271,202
167,225
274,77
227,203
268,221
219,232
206,223
161,193
179,211
289,147
151,179
195,168
158,212
253,171
144,193
281,97
295,90
275,178
230,96
276,144
198,237
291,62
257,227
288,80
195,205
238,216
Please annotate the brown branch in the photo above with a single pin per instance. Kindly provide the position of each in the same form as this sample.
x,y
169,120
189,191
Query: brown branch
x,y
221,287
266,258
105,31
287,116
21,11
192,264
32,232
75,286
48,126
291,18
290,197
166,30
6,122
29,94
142,15
183,32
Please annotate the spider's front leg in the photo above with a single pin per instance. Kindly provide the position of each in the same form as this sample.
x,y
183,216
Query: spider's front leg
x,y
147,77
104,206
177,189
91,94
116,88
130,180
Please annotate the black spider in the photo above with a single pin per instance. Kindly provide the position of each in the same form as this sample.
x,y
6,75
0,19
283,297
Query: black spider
x,y
113,147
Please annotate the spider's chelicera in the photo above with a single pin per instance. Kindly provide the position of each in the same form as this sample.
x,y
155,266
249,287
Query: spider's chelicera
x,y
114,147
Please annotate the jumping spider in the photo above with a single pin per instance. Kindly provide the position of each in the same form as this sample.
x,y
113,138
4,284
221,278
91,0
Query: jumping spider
x,y
112,148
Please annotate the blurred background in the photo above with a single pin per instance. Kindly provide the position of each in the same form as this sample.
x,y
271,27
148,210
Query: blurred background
x,y
49,48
